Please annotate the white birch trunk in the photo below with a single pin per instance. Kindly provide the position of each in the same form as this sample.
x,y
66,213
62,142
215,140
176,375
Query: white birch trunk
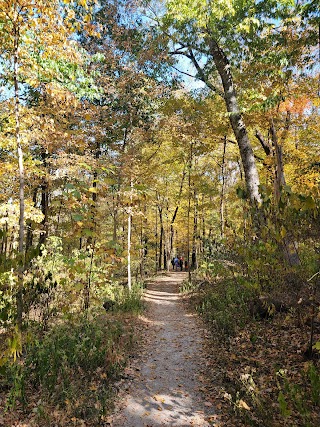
x,y
21,174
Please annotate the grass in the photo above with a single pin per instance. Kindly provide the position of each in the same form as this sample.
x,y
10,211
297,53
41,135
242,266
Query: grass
x,y
66,375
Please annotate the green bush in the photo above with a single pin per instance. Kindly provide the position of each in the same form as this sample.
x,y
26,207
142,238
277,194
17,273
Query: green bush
x,y
302,400
128,301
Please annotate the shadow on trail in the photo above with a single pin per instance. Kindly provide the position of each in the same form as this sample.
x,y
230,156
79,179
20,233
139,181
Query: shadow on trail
x,y
165,390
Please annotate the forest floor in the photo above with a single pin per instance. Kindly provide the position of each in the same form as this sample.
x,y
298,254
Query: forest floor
x,y
164,385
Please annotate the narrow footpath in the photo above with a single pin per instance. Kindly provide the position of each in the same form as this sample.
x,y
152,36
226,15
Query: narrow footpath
x,y
165,378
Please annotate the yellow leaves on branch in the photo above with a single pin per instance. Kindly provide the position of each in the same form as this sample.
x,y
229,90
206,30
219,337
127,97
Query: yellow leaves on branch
x,y
42,22
9,213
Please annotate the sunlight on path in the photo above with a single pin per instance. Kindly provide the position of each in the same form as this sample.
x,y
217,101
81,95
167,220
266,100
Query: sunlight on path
x,y
166,389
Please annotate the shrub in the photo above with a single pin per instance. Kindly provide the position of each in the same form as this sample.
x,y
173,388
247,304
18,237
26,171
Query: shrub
x,y
225,306
71,366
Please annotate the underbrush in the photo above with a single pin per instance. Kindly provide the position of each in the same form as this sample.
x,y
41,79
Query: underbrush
x,y
225,306
70,370
128,301
64,373
259,360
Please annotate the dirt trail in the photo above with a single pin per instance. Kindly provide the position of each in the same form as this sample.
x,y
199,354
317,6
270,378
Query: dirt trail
x,y
166,387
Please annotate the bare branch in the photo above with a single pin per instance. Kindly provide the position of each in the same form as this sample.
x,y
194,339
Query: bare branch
x,y
202,75
183,72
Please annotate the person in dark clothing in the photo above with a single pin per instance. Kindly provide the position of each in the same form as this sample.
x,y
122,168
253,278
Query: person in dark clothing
x,y
181,263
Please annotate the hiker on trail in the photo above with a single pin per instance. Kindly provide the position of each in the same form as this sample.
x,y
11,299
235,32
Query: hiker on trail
x,y
176,263
172,262
186,265
181,263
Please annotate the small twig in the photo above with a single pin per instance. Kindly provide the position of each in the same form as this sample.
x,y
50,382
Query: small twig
x,y
315,274
183,72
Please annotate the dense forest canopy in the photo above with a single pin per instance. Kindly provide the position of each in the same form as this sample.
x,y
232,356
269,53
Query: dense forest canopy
x,y
112,163
108,136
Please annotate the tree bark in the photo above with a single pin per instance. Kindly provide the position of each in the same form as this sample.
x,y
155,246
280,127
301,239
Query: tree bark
x,y
189,209
194,259
156,240
279,178
203,221
289,248
44,202
161,237
129,237
19,297
115,218
236,120
143,240
176,211
29,235
222,201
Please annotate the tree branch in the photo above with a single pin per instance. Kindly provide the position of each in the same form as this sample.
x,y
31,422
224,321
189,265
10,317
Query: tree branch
x,y
202,75
265,145
183,72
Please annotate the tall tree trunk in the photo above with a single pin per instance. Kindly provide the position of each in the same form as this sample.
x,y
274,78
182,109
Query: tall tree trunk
x,y
44,201
129,236
29,236
236,120
165,258
91,240
93,209
279,178
143,240
203,223
223,179
161,237
4,241
88,283
156,240
167,242
176,211
115,218
194,259
289,247
21,171
189,209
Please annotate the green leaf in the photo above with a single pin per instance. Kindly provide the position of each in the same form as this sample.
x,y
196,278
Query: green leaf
x,y
77,217
241,193
283,405
88,232
317,346
77,194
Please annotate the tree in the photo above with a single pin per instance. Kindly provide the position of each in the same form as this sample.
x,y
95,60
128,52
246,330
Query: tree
x,y
217,38
30,30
